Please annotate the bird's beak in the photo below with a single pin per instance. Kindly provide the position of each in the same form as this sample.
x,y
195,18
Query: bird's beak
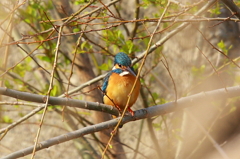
x,y
131,71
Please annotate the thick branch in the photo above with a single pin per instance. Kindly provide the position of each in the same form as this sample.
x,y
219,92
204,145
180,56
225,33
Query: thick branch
x,y
58,101
232,7
184,102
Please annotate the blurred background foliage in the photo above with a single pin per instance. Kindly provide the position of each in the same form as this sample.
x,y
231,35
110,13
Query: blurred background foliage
x,y
29,34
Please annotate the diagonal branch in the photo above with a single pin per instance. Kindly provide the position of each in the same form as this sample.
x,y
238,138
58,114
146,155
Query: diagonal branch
x,y
139,114
156,45
232,7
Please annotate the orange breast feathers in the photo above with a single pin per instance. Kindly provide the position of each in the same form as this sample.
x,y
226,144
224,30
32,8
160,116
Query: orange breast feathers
x,y
119,88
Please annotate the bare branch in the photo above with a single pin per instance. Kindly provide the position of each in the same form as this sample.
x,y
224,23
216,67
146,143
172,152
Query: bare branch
x,y
215,144
139,114
58,101
232,7
173,32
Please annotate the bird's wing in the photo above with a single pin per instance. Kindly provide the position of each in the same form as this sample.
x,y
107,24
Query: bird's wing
x,y
105,81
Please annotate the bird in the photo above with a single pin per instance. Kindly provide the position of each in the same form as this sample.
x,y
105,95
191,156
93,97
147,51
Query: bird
x,y
118,84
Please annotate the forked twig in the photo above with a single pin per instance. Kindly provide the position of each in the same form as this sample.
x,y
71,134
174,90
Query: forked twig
x,y
215,70
214,47
215,144
174,85
53,71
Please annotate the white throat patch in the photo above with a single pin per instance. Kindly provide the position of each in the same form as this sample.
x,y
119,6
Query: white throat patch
x,y
124,73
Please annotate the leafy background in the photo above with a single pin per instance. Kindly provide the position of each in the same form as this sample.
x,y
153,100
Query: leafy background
x,y
199,58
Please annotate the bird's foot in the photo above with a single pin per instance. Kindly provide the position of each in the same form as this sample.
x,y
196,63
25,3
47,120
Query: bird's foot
x,y
130,111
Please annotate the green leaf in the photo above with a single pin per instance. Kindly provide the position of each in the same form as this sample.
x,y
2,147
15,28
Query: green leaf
x,y
216,11
83,44
223,47
198,71
157,126
76,30
54,91
110,62
221,44
7,119
18,81
78,2
7,84
155,96
110,146
21,114
27,21
46,58
19,70
104,67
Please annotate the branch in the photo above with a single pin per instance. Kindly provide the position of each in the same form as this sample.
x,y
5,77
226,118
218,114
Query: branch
x,y
139,114
175,31
232,7
197,20
59,101
154,46
210,138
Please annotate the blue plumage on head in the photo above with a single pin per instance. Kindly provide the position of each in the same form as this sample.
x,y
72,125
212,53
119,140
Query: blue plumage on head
x,y
122,59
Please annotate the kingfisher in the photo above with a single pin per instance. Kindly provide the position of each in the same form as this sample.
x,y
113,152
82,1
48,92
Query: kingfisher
x,y
118,84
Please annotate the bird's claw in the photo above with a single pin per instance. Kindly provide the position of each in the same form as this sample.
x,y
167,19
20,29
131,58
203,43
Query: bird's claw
x,y
130,111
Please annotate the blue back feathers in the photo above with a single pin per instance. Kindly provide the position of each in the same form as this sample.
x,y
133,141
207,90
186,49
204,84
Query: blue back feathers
x,y
105,80
122,59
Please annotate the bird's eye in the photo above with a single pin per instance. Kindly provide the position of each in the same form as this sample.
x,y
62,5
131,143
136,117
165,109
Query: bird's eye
x,y
119,65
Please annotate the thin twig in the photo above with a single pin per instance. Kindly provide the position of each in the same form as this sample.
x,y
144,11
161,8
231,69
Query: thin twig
x,y
107,8
28,55
232,7
138,139
136,15
222,21
218,49
12,11
138,58
149,124
215,144
49,90
72,65
50,22
215,70
137,78
174,85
